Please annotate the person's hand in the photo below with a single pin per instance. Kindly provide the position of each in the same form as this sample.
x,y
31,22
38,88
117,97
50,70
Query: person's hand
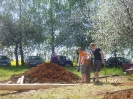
x,y
88,58
77,64
103,62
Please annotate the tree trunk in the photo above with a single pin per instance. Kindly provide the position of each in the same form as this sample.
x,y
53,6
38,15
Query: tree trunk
x,y
53,46
52,26
21,54
16,54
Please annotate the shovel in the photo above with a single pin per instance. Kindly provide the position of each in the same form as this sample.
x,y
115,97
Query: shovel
x,y
105,72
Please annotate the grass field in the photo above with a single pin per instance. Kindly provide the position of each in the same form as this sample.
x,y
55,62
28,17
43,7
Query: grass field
x,y
82,91
107,70
7,71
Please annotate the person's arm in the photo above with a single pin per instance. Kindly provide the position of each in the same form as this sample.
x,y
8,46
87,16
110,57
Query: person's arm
x,y
78,60
91,55
88,57
102,55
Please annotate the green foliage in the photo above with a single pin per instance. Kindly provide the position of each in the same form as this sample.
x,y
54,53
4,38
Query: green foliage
x,y
34,21
113,25
51,24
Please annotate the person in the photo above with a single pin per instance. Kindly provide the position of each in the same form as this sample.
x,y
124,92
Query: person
x,y
77,68
53,58
82,61
97,61
77,54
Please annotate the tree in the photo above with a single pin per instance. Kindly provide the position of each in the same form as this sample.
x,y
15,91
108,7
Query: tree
x,y
55,23
75,24
22,28
113,25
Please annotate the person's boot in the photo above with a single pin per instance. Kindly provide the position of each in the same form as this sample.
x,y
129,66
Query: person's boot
x,y
97,81
94,79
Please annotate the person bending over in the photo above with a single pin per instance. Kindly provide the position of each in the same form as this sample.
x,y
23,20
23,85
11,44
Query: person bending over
x,y
82,61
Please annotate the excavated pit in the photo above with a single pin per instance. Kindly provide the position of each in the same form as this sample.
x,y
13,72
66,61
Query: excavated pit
x,y
121,94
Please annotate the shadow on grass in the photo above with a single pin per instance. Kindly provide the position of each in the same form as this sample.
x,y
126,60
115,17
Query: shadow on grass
x,y
98,83
116,84
14,92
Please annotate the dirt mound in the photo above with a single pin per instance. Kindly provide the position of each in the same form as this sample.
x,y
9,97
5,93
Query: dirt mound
x,y
123,94
47,73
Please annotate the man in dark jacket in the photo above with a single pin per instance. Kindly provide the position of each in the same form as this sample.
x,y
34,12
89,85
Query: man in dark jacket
x,y
97,61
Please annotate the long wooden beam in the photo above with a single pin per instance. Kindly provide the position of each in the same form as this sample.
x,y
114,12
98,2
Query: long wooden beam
x,y
17,87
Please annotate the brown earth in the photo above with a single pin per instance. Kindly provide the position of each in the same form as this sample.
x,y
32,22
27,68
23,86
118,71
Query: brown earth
x,y
122,94
47,73
53,73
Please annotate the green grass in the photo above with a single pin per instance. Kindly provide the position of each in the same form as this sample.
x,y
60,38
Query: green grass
x,y
7,71
82,91
107,70
111,71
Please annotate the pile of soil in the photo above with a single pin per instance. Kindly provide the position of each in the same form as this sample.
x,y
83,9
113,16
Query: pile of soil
x,y
47,73
123,94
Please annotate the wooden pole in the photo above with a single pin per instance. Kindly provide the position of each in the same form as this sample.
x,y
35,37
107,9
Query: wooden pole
x,y
17,87
105,72
22,80
88,71
19,79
